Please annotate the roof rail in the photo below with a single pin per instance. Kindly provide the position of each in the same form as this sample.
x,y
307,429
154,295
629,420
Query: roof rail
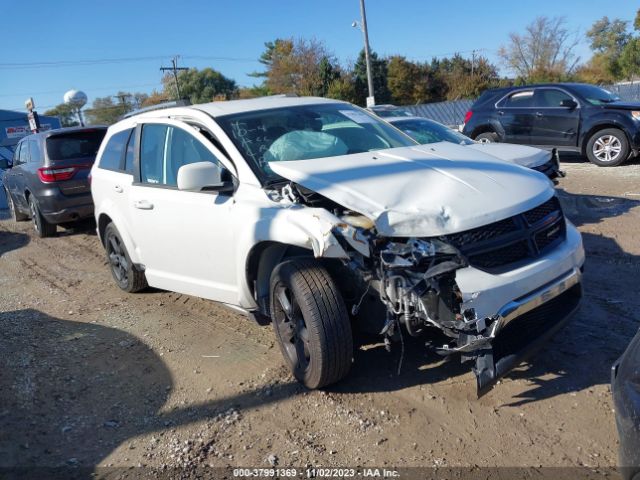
x,y
159,106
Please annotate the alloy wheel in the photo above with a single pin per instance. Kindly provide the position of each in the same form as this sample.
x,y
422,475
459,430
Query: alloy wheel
x,y
117,259
292,329
607,148
34,215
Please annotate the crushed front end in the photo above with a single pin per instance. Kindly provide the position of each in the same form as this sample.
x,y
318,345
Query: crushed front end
x,y
497,292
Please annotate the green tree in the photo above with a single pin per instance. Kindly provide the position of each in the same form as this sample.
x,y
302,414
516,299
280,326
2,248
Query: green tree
x,y
379,74
200,86
300,66
608,39
343,88
629,60
65,113
403,80
108,110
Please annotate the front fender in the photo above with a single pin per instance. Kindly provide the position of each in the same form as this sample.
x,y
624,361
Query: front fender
x,y
308,228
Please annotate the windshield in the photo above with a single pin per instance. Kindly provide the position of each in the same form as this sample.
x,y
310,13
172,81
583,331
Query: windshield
x,y
596,95
79,144
307,132
428,131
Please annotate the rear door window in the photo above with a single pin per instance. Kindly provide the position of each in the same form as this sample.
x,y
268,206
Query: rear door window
x,y
520,99
112,156
74,145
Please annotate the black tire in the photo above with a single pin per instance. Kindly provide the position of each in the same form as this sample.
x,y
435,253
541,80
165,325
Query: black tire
x,y
487,137
43,228
318,344
608,147
15,214
127,276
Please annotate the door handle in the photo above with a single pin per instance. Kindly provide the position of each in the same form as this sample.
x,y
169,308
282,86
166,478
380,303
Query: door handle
x,y
143,205
539,114
500,112
118,188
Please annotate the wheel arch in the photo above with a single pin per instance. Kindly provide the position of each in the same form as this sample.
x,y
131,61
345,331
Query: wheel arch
x,y
602,126
488,127
104,219
262,259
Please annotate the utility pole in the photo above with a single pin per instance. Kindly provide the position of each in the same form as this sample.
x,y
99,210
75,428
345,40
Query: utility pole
x,y
473,62
371,101
175,68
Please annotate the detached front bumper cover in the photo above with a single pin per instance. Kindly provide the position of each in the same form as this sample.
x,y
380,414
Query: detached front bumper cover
x,y
525,324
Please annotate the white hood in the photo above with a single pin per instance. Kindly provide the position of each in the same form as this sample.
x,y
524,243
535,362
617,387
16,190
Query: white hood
x,y
520,154
422,191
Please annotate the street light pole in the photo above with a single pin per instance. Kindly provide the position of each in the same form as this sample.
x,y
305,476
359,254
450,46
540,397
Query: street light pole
x,y
370,99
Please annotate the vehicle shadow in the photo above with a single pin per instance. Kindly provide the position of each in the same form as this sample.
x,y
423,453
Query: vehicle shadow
x,y
87,227
12,241
72,392
581,355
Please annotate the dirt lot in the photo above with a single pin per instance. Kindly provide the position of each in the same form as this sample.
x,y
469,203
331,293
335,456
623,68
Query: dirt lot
x,y
90,376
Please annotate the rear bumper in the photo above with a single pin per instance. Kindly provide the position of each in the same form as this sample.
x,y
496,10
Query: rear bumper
x,y
59,208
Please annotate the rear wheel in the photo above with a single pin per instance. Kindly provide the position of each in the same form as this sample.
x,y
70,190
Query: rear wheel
x,y
42,227
128,277
16,215
487,137
608,147
311,323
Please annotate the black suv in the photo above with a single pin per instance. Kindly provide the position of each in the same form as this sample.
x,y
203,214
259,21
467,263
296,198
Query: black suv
x,y
568,116
48,180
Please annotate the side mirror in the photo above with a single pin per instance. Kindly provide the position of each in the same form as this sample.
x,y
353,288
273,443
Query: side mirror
x,y
568,103
204,176
4,164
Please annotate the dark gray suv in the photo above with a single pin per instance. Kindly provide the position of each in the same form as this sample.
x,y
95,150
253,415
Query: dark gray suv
x,y
48,180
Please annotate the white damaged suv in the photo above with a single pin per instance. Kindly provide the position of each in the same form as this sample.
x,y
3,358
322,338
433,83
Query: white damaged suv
x,y
318,217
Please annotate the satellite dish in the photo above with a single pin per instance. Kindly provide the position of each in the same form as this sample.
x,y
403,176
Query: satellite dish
x,y
75,98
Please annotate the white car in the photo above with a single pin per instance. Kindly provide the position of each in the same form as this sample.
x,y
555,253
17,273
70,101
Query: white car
x,y
426,131
315,215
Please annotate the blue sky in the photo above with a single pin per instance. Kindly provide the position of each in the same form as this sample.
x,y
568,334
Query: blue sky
x,y
229,36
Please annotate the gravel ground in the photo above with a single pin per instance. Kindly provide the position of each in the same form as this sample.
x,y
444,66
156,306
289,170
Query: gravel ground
x,y
93,377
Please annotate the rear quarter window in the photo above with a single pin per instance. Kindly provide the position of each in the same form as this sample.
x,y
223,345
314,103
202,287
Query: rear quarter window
x,y
112,156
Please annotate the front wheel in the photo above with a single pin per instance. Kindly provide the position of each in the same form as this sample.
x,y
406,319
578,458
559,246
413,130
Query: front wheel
x,y
128,277
43,228
311,323
608,147
487,137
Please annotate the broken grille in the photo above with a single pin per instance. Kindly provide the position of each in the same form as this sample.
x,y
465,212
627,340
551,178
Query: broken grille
x,y
502,245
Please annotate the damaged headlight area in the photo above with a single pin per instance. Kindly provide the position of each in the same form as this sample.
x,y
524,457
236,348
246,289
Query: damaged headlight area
x,y
419,289
414,282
